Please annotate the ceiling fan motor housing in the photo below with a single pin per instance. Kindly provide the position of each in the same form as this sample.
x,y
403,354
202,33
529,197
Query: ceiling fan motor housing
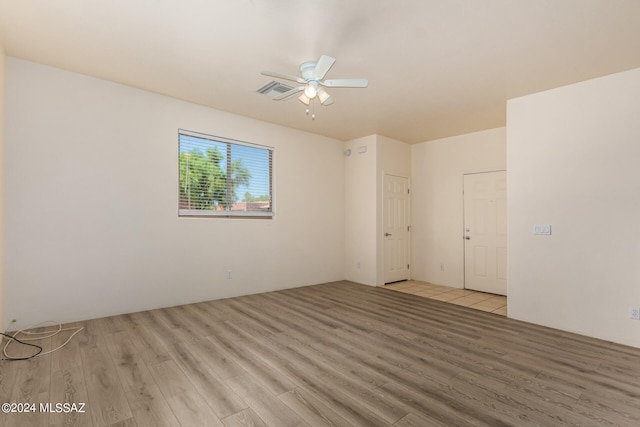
x,y
306,70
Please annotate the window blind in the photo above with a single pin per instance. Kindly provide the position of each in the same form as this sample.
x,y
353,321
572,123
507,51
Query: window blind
x,y
219,177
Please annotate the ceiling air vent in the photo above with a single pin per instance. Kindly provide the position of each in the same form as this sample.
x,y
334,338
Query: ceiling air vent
x,y
273,89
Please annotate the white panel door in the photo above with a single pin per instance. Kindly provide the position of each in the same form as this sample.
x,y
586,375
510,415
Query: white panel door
x,y
396,228
485,232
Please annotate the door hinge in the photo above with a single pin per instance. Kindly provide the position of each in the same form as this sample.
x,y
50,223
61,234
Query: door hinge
x,y
408,191
407,266
408,228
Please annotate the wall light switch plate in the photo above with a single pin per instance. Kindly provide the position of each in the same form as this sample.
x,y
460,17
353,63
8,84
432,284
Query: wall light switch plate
x,y
542,229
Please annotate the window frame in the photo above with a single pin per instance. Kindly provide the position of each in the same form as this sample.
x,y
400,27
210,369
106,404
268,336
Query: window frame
x,y
202,213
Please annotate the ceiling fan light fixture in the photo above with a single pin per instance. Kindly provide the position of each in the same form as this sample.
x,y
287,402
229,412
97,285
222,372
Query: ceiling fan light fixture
x,y
304,99
311,90
323,95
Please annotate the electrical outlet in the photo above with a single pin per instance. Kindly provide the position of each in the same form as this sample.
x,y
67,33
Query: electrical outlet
x,y
542,229
229,276
634,313
441,266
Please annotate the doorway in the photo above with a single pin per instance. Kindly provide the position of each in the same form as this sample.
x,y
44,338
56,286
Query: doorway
x,y
485,232
396,228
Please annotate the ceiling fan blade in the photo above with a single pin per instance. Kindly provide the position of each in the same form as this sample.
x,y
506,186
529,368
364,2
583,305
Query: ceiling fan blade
x,y
283,76
288,93
322,67
327,101
345,83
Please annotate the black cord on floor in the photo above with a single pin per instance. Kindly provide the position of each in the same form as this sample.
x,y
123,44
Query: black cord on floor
x,y
22,342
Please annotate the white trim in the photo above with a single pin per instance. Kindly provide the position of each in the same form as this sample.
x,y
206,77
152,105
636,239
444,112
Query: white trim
x,y
229,214
221,139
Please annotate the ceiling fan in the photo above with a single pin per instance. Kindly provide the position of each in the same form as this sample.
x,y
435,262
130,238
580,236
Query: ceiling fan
x,y
312,81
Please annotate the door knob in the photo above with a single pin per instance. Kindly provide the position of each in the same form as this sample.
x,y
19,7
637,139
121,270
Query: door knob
x,y
387,234
467,238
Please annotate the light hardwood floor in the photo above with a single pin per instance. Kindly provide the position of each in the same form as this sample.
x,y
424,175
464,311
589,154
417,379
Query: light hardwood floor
x,y
337,354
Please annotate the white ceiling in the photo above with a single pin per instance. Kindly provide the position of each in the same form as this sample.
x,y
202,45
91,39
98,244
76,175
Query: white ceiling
x,y
436,68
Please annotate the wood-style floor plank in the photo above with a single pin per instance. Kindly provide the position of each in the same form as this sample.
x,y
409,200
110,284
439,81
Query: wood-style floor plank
x,y
245,418
179,343
311,409
68,355
107,401
336,354
189,407
264,404
32,382
68,386
150,408
8,375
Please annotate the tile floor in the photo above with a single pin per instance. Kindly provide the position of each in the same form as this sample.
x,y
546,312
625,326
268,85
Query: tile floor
x,y
496,304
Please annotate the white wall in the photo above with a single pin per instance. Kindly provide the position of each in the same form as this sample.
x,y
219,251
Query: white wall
x,y
573,157
438,168
360,211
91,196
2,173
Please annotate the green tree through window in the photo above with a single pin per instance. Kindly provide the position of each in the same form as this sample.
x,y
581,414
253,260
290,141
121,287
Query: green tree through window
x,y
214,171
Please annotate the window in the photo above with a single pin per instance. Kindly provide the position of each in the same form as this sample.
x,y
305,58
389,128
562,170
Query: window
x,y
221,177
